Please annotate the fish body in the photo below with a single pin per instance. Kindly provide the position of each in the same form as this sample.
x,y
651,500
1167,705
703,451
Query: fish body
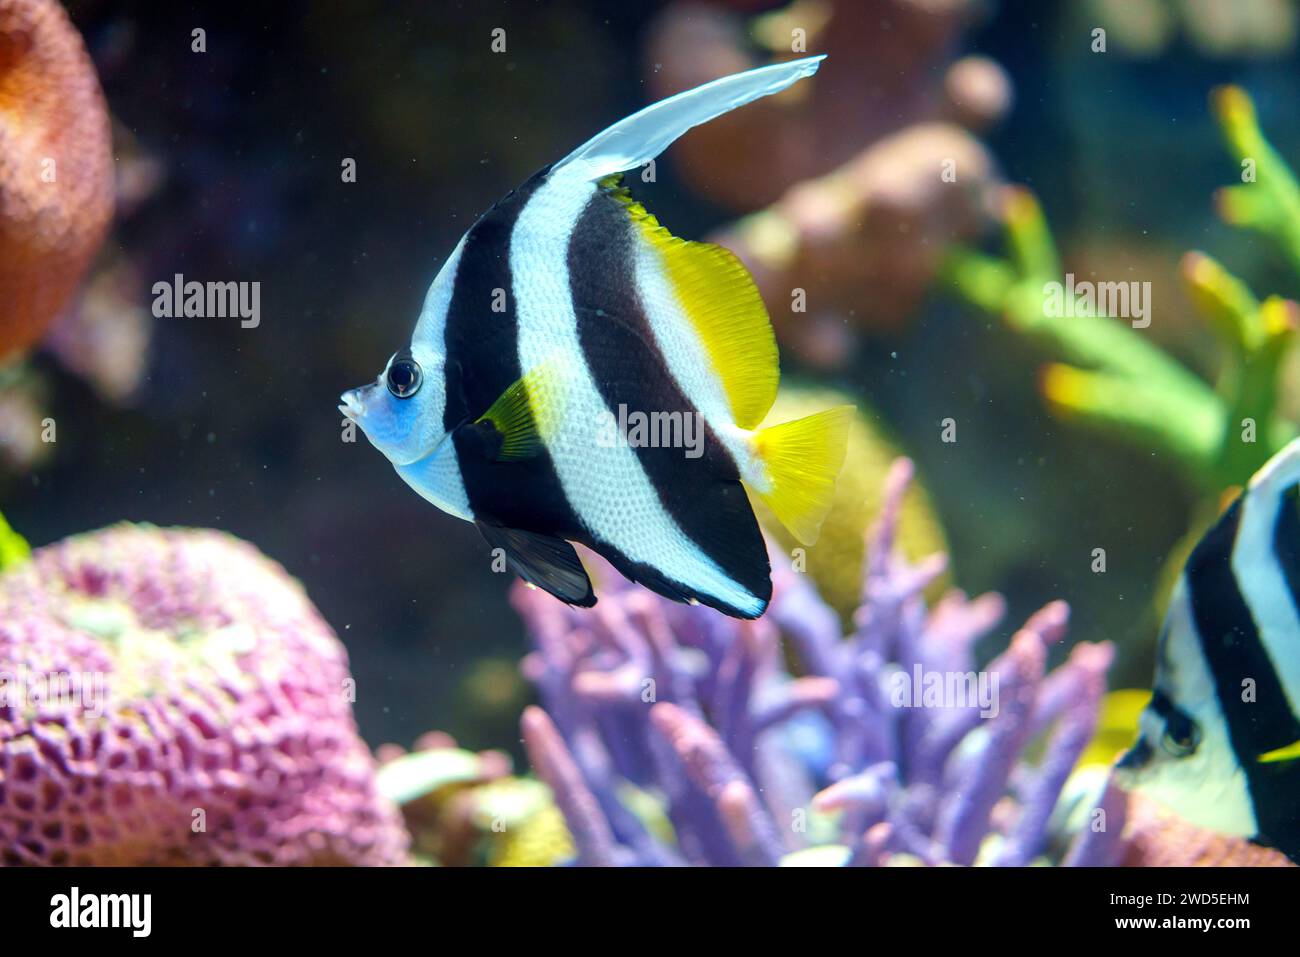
x,y
579,374
1218,741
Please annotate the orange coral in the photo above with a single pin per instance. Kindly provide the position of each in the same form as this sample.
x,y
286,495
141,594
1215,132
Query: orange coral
x,y
864,240
56,168
887,68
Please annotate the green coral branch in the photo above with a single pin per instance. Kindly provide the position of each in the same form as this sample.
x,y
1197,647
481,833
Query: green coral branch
x,y
13,547
1268,201
1138,411
1109,375
1098,341
1029,238
981,280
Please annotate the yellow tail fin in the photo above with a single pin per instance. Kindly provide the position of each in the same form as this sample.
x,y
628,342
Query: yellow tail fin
x,y
802,459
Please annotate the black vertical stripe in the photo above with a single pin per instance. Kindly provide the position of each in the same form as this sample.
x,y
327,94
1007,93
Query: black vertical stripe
x,y
1234,652
704,495
1286,548
482,361
481,345
1283,780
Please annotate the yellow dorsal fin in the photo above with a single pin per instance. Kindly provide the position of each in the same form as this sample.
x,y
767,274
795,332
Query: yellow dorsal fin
x,y
802,459
723,306
524,413
1117,727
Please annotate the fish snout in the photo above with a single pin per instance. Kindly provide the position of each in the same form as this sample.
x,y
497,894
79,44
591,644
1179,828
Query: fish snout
x,y
1128,769
351,405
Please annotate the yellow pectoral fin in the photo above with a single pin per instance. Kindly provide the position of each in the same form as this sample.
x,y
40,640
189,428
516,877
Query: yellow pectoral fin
x,y
723,306
526,412
1287,753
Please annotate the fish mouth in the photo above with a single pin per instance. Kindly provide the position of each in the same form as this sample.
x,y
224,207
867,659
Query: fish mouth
x,y
1128,769
351,406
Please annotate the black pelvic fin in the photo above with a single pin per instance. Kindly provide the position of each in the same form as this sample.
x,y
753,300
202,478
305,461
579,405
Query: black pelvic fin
x,y
549,563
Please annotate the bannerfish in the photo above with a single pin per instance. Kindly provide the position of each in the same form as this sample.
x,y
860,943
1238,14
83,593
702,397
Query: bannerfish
x,y
567,350
1219,742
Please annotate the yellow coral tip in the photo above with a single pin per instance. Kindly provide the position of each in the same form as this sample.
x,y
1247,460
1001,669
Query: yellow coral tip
x,y
1063,385
1226,206
1231,103
1018,204
1197,267
1280,316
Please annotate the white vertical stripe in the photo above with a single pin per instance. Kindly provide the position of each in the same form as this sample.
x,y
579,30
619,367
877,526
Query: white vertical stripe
x,y
1259,575
605,484
431,328
688,360
429,347
1208,787
437,478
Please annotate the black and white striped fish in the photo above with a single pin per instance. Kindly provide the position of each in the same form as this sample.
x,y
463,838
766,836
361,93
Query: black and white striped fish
x,y
567,348
1220,741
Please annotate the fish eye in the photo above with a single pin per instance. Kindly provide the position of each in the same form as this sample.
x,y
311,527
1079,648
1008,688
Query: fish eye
x,y
1182,736
404,375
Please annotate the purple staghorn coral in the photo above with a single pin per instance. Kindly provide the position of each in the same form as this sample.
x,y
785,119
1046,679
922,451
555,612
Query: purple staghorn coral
x,y
171,696
752,762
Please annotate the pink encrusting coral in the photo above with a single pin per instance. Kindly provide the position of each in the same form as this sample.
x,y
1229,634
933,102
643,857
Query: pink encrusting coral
x,y
173,697
1141,832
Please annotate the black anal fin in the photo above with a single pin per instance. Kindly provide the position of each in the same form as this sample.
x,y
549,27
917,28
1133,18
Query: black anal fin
x,y
549,563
